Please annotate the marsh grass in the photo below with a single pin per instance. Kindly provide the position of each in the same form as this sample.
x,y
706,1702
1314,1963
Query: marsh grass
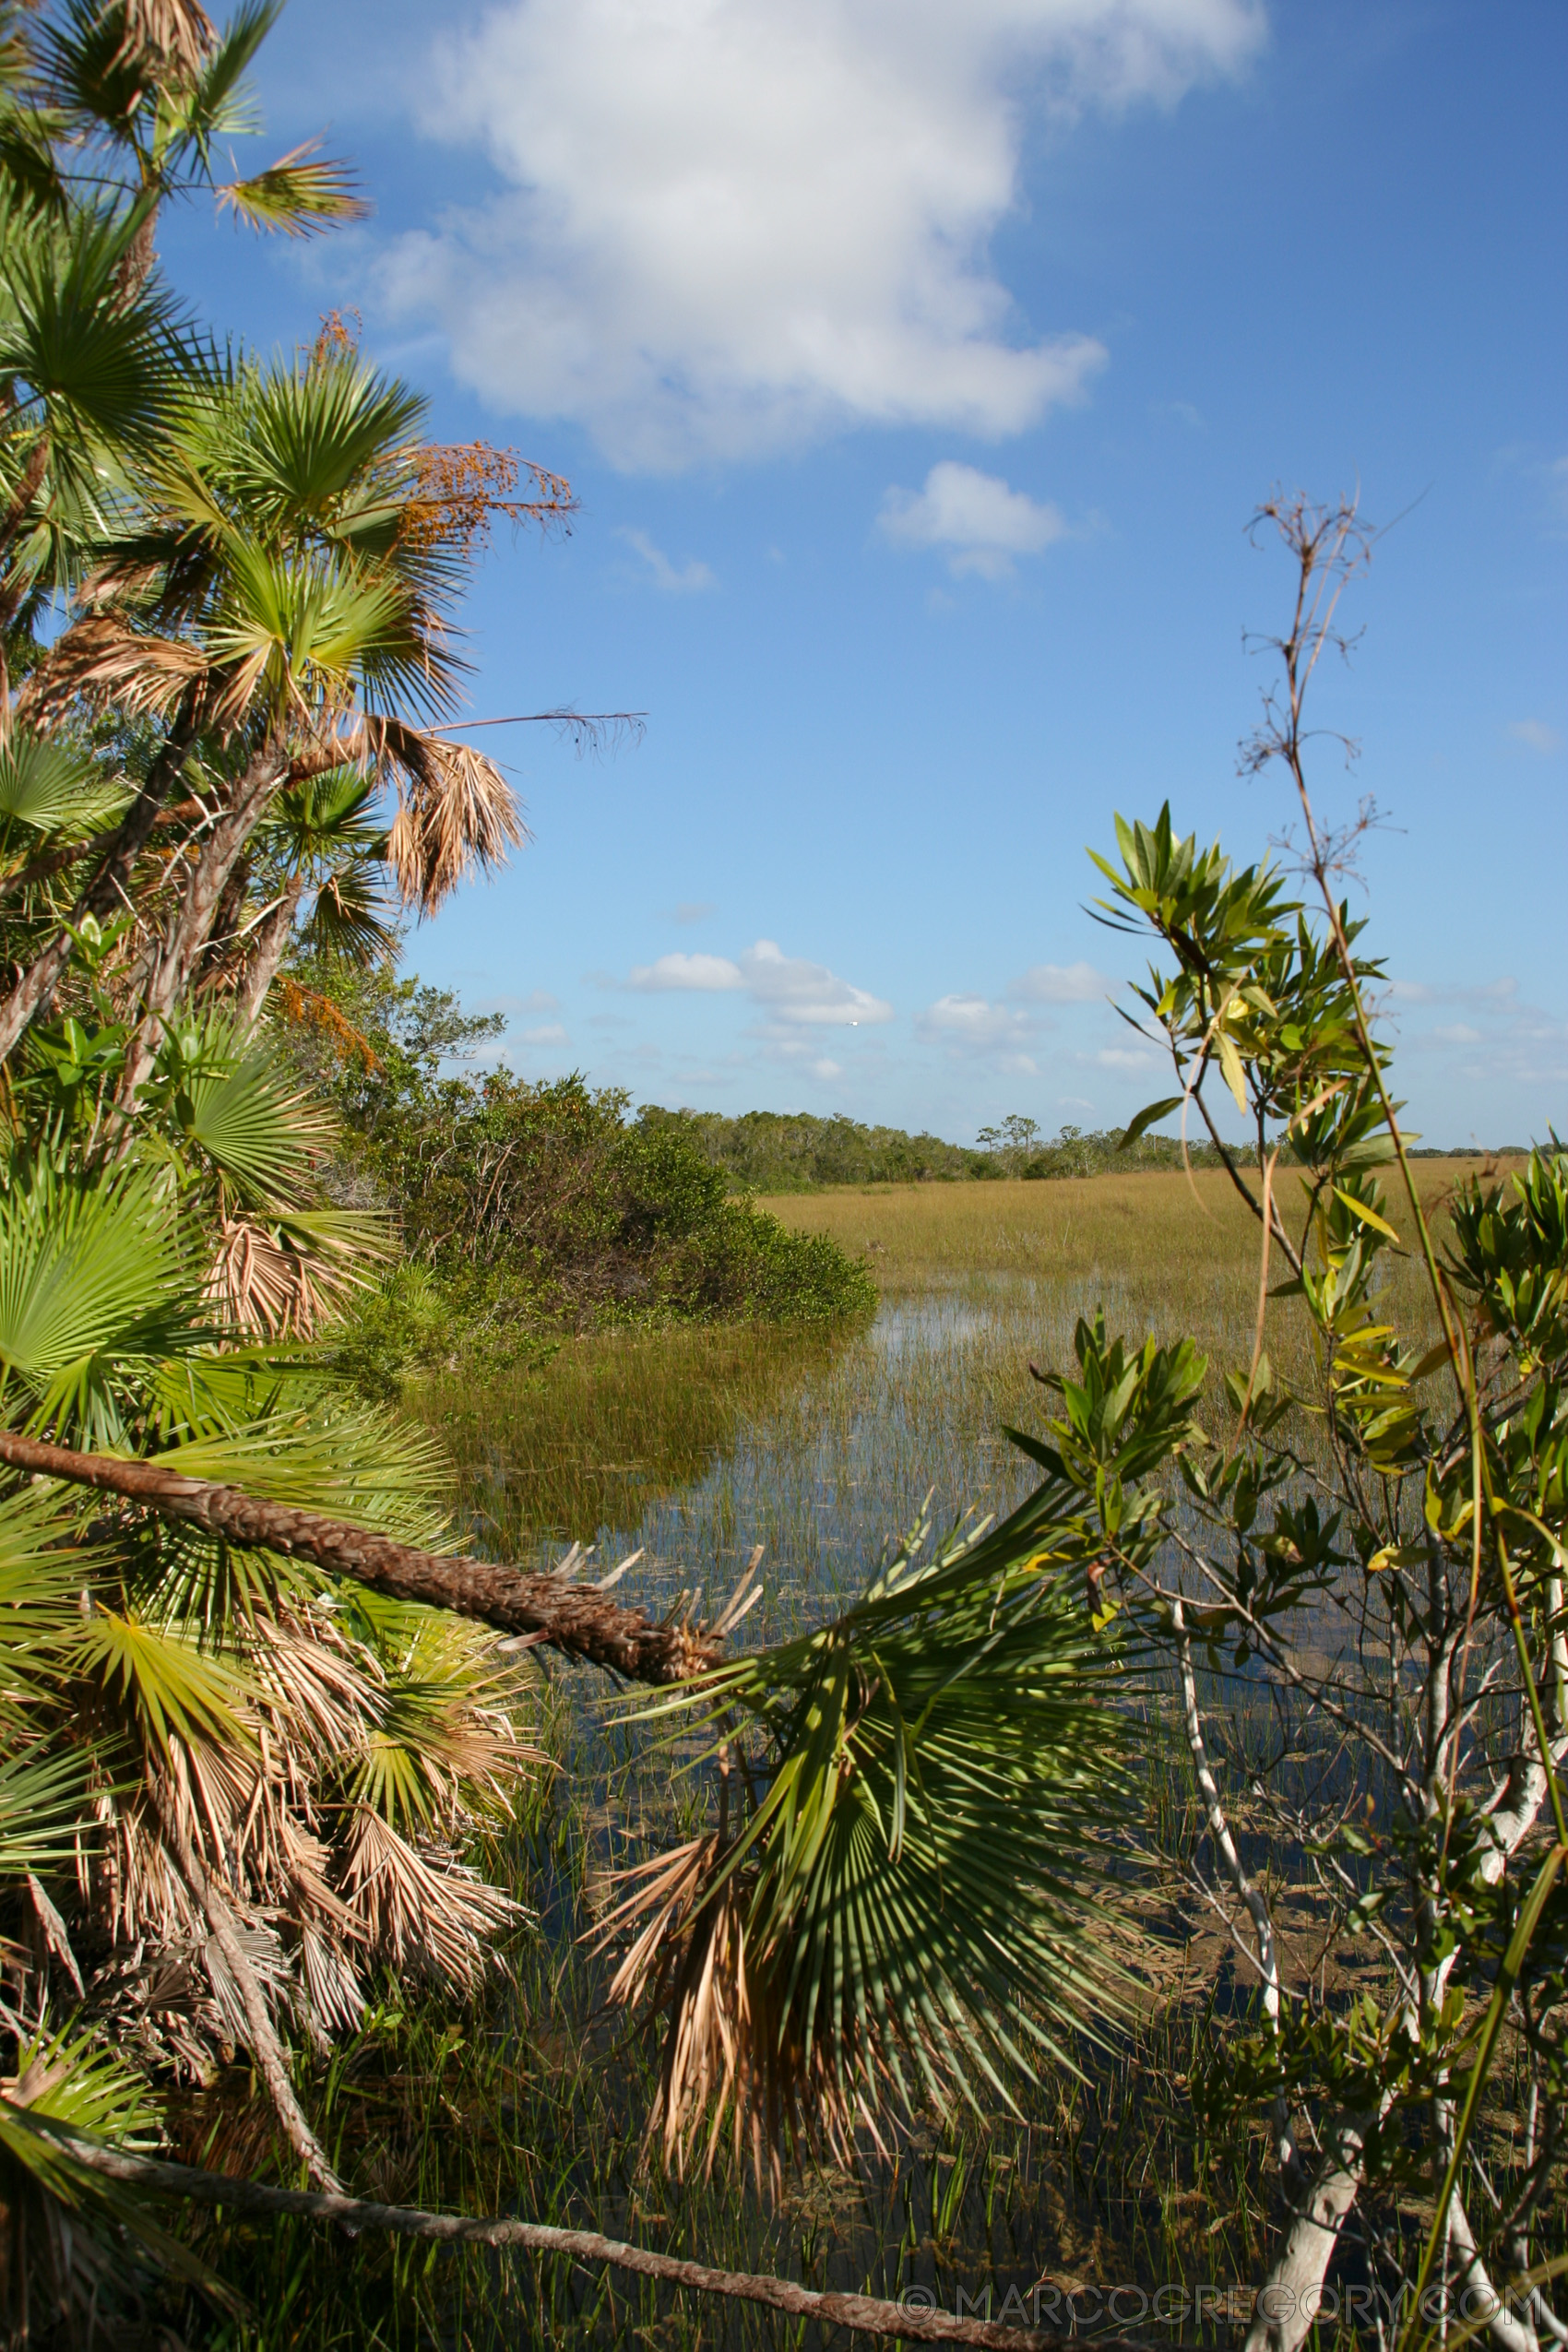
x,y
696,1444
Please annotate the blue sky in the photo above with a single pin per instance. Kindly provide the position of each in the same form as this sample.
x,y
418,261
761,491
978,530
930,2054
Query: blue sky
x,y
917,364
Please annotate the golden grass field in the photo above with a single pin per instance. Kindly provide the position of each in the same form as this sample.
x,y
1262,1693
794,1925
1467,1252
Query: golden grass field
x,y
700,1441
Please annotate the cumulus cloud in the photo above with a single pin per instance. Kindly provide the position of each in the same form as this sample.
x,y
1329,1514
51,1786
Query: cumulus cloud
x,y
686,580
983,522
1007,1031
1058,984
693,911
975,1024
1483,992
547,1033
1536,735
725,226
790,989
677,971
1503,1039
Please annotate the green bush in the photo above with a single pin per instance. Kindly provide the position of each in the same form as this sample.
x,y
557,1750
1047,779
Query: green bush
x,y
533,1211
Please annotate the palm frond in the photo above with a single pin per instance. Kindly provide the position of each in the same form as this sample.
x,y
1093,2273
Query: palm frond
x,y
41,1801
261,1282
302,192
426,1912
177,35
79,2235
904,1895
93,1287
52,787
163,1689
105,658
240,1114
457,813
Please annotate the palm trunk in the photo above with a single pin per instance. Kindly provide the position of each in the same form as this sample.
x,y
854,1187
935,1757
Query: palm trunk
x,y
578,1620
35,987
193,924
268,942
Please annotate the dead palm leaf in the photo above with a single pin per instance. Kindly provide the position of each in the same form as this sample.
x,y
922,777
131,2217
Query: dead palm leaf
x,y
457,813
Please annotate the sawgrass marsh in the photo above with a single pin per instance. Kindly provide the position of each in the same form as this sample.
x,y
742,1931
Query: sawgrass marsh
x,y
694,1445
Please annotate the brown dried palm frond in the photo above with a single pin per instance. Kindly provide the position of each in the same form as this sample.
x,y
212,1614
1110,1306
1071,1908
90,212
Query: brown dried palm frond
x,y
177,35
421,1908
457,813
314,1694
729,2052
102,660
262,1284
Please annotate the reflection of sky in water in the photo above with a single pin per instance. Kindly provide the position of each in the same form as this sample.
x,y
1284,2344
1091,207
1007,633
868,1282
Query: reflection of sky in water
x,y
914,1407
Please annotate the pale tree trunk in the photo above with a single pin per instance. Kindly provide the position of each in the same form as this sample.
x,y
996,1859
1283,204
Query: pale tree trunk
x,y
1289,2298
268,944
187,935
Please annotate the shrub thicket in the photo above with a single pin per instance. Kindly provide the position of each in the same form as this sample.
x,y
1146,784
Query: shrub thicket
x,y
528,1211
771,1151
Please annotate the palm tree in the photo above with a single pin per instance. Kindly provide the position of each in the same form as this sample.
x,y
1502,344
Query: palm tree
x,y
242,1763
319,866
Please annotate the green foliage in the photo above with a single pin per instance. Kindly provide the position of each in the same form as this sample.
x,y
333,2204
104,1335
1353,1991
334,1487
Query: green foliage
x,y
904,1892
532,1210
773,1152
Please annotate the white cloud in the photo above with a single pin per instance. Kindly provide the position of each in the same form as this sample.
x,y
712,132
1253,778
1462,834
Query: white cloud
x,y
1484,993
985,523
1058,984
677,971
687,581
789,989
726,226
1536,734
548,1033
797,993
1121,1057
693,911
975,1025
537,1000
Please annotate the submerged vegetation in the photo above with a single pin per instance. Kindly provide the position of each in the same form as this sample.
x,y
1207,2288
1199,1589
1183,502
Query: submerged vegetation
x,y
1172,1860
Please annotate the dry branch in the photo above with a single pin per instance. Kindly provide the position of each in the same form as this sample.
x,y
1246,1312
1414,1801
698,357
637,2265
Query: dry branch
x,y
578,1620
868,2313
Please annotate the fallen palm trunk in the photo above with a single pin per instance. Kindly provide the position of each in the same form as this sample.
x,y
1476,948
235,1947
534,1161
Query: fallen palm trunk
x,y
578,1620
868,2313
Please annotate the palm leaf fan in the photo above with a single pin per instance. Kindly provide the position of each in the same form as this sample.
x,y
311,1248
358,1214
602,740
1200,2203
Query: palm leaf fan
x,y
903,1897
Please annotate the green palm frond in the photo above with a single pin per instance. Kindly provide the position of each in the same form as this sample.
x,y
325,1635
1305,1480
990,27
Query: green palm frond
x,y
98,374
905,1892
302,192
445,1747
48,788
352,918
93,1289
162,1688
239,1114
41,1801
287,450
78,2234
43,1563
